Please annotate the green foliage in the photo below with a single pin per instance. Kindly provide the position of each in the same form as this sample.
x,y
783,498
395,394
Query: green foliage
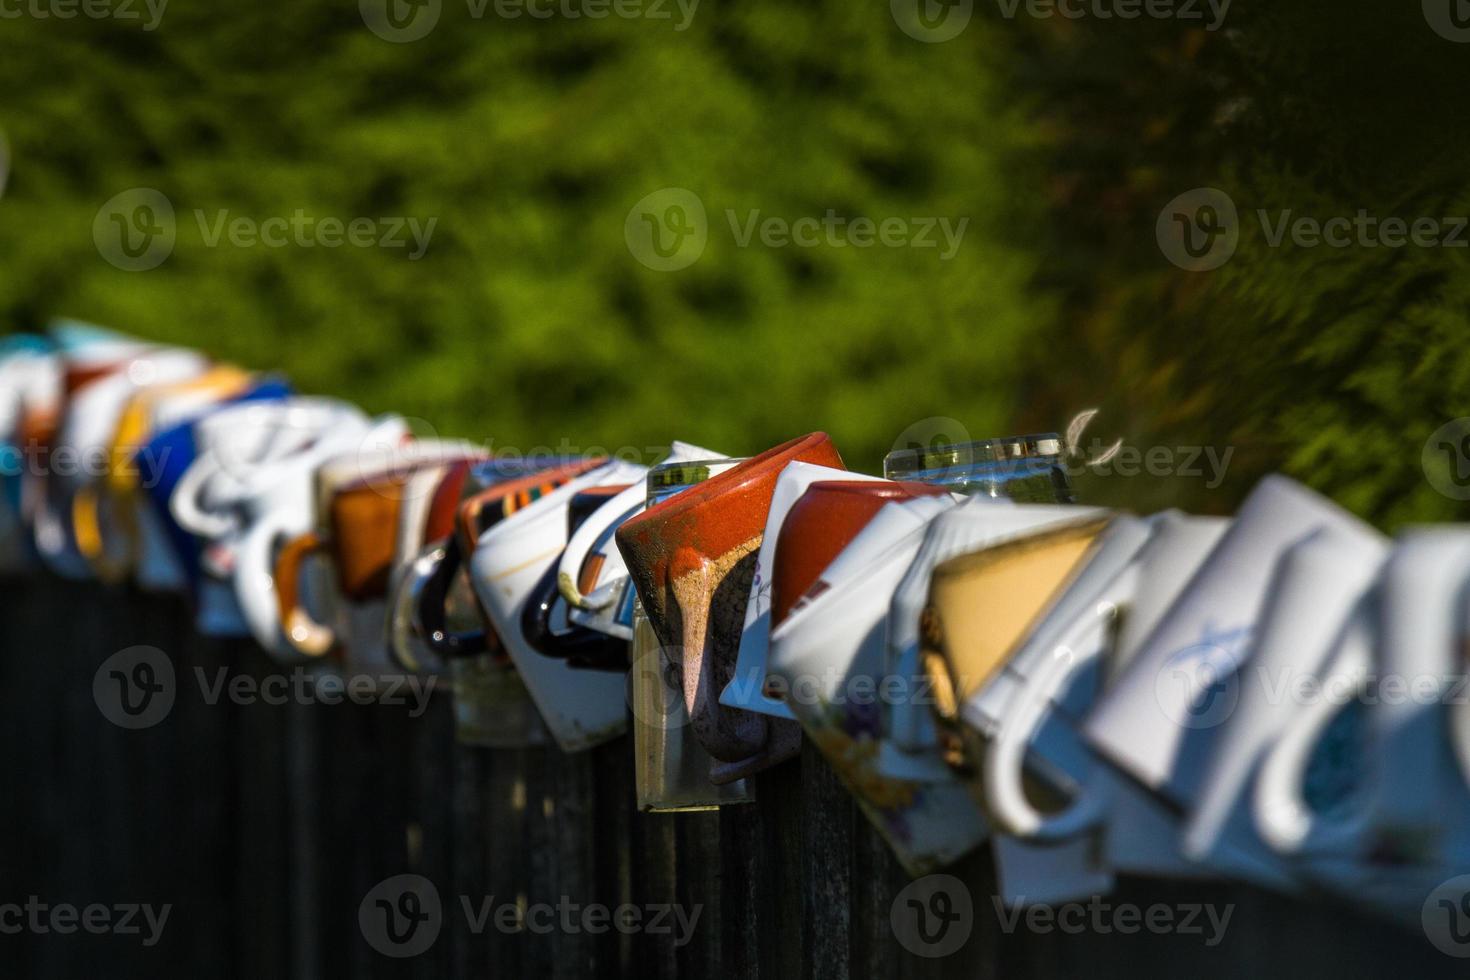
x,y
1333,364
528,321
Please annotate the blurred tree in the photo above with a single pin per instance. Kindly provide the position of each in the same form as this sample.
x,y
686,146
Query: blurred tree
x,y
1335,364
528,321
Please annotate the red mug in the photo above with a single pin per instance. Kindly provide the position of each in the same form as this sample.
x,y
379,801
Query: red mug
x,y
822,522
692,559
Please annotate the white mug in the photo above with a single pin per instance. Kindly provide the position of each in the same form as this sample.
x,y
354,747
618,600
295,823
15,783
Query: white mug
x,y
910,748
1407,828
1316,587
746,688
243,512
241,449
1140,834
1057,856
1048,683
1160,720
582,708
829,654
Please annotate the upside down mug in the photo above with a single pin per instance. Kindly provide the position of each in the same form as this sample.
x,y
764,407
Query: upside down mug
x,y
1404,831
912,747
1328,573
828,656
670,766
96,396
492,706
357,521
251,487
116,530
30,387
582,708
692,559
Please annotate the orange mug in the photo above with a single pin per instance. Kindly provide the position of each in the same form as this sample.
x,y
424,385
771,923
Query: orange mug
x,y
692,559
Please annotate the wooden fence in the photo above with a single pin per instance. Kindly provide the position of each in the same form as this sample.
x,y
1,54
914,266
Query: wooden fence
x,y
264,826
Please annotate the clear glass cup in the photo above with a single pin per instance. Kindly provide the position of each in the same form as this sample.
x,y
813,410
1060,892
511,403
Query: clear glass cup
x,y
1026,469
671,767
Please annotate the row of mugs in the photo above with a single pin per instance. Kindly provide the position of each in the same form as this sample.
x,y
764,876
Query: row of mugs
x,y
978,657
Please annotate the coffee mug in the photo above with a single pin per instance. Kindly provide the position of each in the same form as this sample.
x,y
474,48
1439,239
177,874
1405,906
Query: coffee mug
x,y
1405,830
746,689
359,500
492,707
161,464
95,396
581,708
911,745
451,621
115,530
1045,686
692,559
982,603
252,485
30,390
828,656
1033,752
1317,837
239,452
670,766
1160,721
1316,586
822,522
423,529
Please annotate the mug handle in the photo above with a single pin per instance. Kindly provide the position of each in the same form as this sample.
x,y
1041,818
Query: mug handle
x,y
578,646
1283,819
1005,761
592,532
255,581
304,634
432,615
404,596
184,505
